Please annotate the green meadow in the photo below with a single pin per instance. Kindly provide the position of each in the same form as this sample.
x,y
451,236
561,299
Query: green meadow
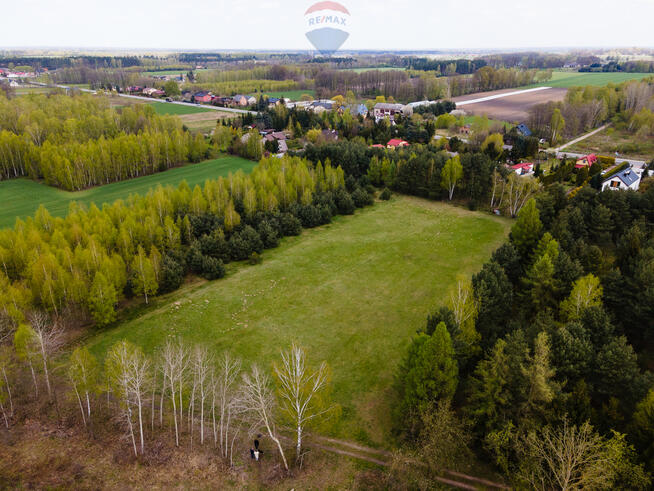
x,y
177,109
572,79
20,198
352,293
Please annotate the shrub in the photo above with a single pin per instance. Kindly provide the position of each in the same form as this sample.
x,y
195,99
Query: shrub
x,y
172,274
212,268
290,225
239,249
268,234
344,202
361,198
252,238
385,194
310,216
255,258
325,214
214,245
194,258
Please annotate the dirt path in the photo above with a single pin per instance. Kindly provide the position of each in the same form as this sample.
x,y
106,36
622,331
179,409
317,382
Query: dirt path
x,y
582,137
382,458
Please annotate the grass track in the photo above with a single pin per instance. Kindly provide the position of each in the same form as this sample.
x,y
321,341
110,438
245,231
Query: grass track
x,y
353,293
22,197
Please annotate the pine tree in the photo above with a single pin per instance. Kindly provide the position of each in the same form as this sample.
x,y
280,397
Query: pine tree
x,y
526,231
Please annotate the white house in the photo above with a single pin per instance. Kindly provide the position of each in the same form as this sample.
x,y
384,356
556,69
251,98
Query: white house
x,y
625,179
385,110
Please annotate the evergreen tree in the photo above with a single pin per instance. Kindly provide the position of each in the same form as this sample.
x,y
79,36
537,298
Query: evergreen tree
x,y
526,231
429,372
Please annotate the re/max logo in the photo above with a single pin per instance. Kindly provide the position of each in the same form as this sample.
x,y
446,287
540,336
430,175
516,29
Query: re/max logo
x,y
327,19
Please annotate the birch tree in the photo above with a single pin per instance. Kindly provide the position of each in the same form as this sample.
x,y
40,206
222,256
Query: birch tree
x,y
143,275
83,375
48,337
27,350
518,192
498,180
223,395
451,174
586,292
5,366
463,304
117,373
127,371
258,399
202,368
301,390
174,364
138,383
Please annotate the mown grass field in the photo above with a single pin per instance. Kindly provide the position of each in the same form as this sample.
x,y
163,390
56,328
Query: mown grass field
x,y
177,109
572,79
352,293
22,197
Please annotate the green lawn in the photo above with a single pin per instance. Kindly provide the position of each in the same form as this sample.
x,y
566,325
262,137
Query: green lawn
x,y
352,293
571,79
177,109
294,95
22,197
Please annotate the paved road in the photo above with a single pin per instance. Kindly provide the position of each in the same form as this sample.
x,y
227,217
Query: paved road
x,y
150,99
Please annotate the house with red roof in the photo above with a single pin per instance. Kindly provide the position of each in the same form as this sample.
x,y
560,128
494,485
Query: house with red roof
x,y
396,142
523,168
378,145
586,161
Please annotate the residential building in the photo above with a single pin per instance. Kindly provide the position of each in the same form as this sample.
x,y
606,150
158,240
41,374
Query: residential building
x,y
523,130
385,110
625,179
523,168
321,106
202,96
586,161
240,100
396,142
358,110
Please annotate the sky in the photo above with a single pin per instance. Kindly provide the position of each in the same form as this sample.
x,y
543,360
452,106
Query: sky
x,y
373,24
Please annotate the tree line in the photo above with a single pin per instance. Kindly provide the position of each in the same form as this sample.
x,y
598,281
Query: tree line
x,y
533,358
628,105
83,265
474,177
77,142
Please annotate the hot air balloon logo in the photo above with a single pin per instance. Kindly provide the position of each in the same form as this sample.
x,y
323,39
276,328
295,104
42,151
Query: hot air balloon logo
x,y
327,26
